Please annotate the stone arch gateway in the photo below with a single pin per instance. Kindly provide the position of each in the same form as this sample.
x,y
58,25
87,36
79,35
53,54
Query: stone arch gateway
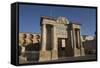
x,y
59,39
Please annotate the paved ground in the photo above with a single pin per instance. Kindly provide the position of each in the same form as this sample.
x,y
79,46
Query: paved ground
x,y
81,58
70,59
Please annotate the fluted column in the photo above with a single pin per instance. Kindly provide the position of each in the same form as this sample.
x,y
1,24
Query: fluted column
x,y
54,40
78,38
72,39
54,44
43,37
81,47
45,55
76,51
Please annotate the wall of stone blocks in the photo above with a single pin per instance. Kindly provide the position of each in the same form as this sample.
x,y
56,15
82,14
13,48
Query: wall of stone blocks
x,y
26,38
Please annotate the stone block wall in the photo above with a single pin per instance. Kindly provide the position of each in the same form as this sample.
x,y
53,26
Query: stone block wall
x,y
26,38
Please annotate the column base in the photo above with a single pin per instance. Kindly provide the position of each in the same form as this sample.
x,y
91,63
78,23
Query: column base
x,y
54,54
77,52
82,52
45,56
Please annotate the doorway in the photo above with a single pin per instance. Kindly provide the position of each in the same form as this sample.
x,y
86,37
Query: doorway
x,y
62,44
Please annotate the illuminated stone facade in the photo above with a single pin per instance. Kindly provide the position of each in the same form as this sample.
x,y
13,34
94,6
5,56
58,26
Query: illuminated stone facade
x,y
62,37
59,38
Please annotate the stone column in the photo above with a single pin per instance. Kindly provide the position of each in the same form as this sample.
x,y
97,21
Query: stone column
x,y
78,38
82,50
54,44
54,38
43,37
76,50
44,54
72,39
81,46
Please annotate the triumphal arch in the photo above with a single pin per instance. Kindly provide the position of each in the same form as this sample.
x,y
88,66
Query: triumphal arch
x,y
59,38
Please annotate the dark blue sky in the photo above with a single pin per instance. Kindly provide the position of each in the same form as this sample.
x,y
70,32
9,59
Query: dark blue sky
x,y
29,17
